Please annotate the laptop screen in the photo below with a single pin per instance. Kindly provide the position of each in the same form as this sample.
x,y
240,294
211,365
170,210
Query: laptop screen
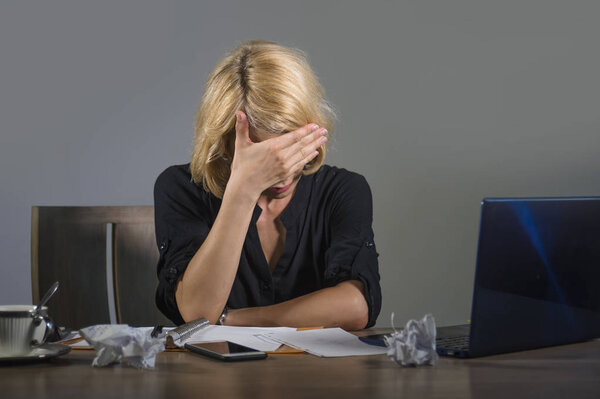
x,y
537,275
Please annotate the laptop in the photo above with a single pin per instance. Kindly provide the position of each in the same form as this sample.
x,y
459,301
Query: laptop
x,y
537,277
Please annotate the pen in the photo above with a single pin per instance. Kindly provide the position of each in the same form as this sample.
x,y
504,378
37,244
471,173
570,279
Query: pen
x,y
156,330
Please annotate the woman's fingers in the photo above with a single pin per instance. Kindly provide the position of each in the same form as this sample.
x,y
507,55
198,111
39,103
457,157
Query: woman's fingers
x,y
242,131
298,152
296,136
316,137
300,165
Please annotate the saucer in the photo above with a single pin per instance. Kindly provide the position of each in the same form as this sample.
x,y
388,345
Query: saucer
x,y
42,352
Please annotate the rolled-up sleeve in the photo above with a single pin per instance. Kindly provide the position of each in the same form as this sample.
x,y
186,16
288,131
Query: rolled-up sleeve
x,y
181,227
351,252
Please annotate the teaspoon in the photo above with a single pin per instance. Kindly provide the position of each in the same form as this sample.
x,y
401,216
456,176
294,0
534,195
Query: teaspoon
x,y
46,297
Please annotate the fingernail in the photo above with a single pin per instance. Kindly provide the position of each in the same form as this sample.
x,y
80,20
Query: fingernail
x,y
323,140
324,132
313,127
238,117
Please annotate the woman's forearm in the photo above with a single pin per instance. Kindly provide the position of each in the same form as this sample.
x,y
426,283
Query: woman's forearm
x,y
341,306
206,284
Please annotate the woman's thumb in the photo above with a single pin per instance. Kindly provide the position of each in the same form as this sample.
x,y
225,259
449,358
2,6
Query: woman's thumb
x,y
241,127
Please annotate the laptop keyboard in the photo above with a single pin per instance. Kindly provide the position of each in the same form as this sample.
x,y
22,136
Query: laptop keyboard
x,y
456,343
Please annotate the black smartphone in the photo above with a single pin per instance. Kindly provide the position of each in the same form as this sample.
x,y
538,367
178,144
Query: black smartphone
x,y
225,350
375,339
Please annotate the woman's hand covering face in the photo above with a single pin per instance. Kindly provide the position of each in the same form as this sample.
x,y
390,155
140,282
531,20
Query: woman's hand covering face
x,y
261,165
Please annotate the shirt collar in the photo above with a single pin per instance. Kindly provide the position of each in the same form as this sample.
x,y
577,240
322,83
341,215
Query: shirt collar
x,y
297,204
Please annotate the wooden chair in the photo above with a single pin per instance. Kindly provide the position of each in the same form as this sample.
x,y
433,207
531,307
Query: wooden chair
x,y
105,260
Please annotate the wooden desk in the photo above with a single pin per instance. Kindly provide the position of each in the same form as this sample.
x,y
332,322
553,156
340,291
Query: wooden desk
x,y
571,371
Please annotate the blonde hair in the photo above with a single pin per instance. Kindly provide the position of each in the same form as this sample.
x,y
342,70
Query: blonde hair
x,y
276,88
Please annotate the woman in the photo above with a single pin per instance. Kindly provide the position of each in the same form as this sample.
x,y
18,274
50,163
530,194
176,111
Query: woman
x,y
256,231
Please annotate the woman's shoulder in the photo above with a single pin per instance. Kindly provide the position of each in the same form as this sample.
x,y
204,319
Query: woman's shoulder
x,y
177,179
175,173
332,185
332,176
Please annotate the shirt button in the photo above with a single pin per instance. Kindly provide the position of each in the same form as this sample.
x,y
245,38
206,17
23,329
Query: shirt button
x,y
172,270
265,286
162,246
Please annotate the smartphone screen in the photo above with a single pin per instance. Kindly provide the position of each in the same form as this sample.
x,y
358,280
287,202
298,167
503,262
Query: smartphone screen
x,y
225,350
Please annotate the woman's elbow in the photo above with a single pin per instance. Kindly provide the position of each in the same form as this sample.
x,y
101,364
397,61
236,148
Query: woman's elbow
x,y
360,314
189,310
358,309
189,313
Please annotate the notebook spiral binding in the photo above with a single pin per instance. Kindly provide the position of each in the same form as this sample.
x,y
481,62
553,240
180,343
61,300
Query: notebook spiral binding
x,y
184,331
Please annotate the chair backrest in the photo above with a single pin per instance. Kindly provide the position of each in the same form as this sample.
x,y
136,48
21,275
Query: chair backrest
x,y
105,260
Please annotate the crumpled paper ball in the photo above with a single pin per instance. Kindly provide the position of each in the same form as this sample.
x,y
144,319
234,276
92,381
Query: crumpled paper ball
x,y
415,344
121,343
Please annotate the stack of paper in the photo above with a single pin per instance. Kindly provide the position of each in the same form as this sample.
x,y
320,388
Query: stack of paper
x,y
326,342
252,337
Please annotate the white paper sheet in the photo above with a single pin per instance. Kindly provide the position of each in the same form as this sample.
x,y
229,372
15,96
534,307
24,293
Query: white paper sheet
x,y
70,336
326,342
81,344
253,337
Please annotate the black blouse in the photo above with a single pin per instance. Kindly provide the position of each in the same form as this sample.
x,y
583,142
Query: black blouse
x,y
329,239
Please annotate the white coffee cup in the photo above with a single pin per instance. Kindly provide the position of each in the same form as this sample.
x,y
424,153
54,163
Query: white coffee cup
x,y
22,329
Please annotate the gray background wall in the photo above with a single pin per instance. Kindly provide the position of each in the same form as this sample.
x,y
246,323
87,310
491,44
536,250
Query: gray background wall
x,y
440,103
